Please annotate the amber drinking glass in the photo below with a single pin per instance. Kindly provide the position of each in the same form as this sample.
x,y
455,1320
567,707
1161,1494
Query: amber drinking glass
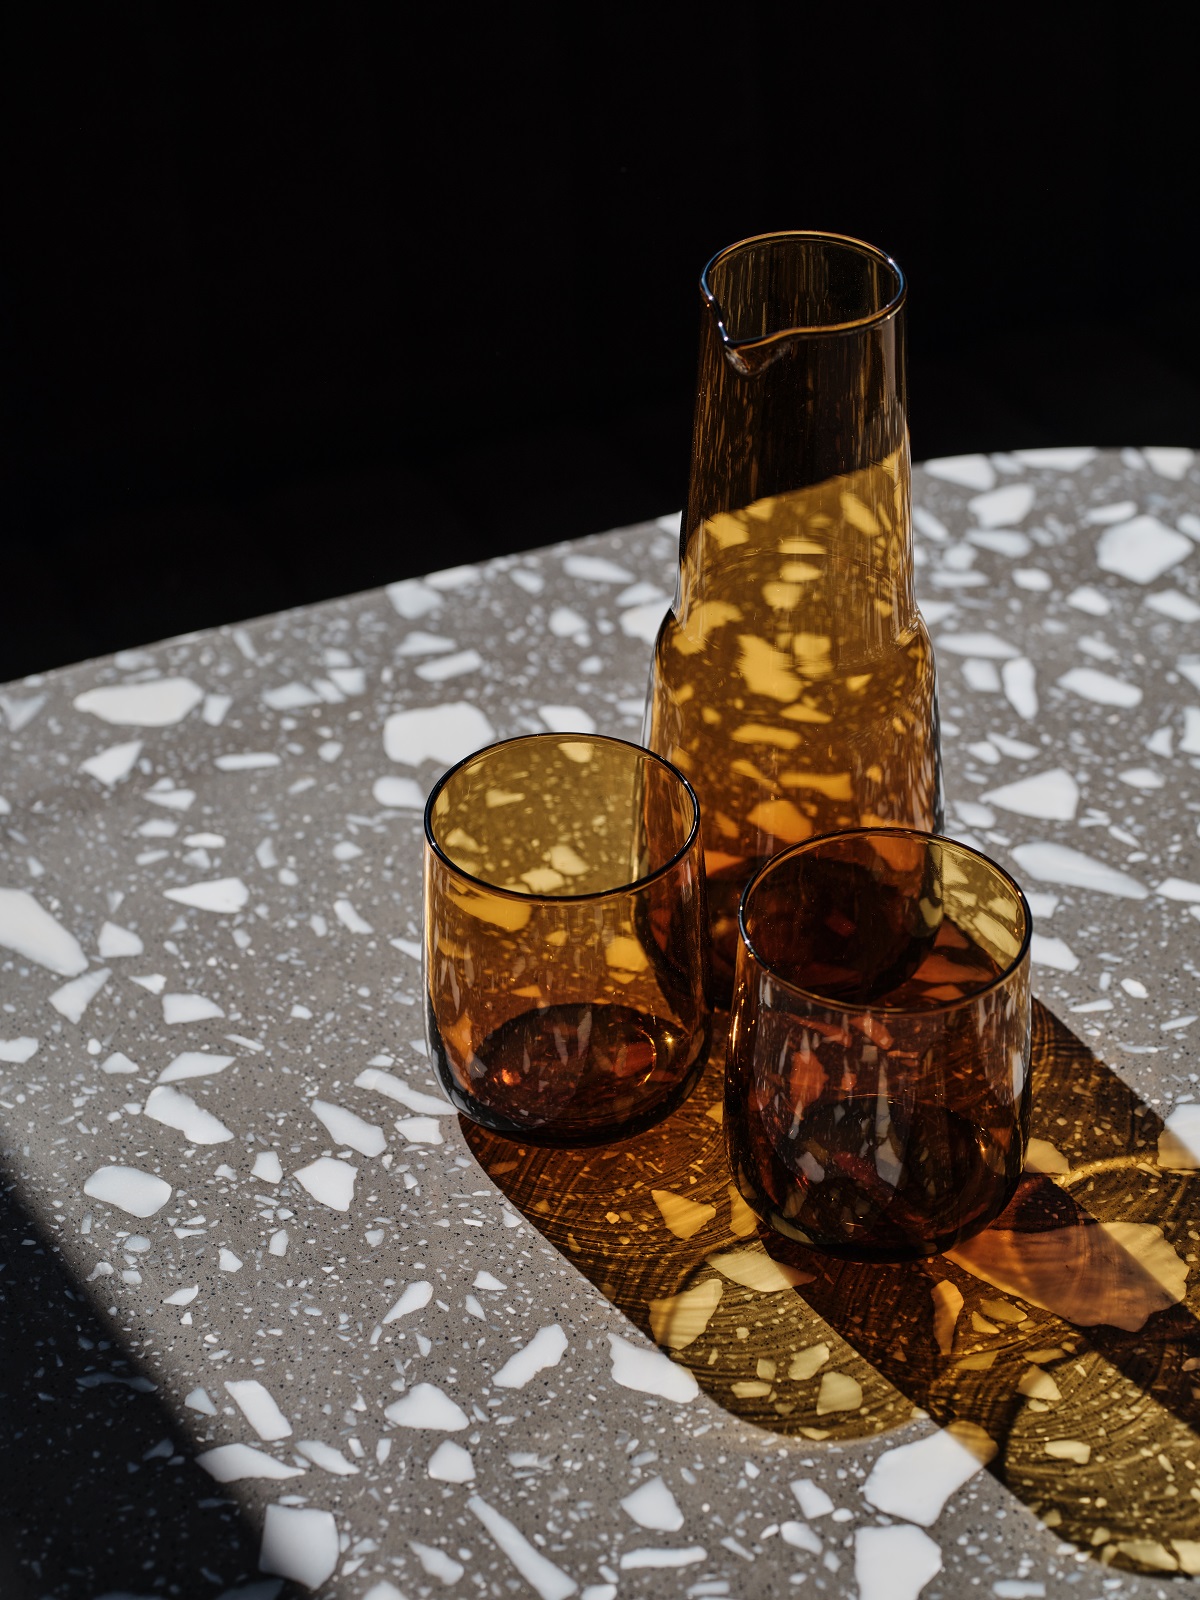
x,y
877,1083
793,681
566,959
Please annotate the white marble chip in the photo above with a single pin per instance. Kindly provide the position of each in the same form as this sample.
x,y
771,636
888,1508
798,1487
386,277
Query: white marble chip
x,y
665,1558
636,1366
548,1581
177,1110
971,472
1100,687
452,578
1179,889
894,1563
1118,511
1141,549
170,797
545,1349
20,713
643,621
179,1008
427,1406
1142,778
395,1088
329,1181
653,1506
350,919
215,709
412,598
300,1543
291,697
915,1480
415,1297
231,1463
156,704
595,569
801,1537
566,623
267,1167
444,734
1056,863
1090,600
193,1064
1052,796
110,766
398,794
1003,507
450,1463
419,1130
426,644
346,1128
1054,953
1170,603
114,942
20,1050
247,760
326,1457
981,646
221,895
258,1406
567,719
28,929
436,1562
1004,541
1057,458
141,1194
811,1498
73,998
1169,460
439,668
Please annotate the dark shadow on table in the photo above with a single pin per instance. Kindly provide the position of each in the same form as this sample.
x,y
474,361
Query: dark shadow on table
x,y
99,1490
1095,1426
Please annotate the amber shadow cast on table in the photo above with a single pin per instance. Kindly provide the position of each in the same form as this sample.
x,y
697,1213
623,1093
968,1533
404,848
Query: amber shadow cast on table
x,y
1063,1344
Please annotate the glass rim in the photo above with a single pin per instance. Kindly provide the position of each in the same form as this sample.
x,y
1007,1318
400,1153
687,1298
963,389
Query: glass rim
x,y
802,331
564,899
857,1008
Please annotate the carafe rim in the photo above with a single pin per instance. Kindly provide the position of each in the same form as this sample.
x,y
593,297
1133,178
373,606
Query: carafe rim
x,y
767,342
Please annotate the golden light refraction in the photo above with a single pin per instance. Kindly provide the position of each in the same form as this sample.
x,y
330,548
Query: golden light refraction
x,y
1062,1344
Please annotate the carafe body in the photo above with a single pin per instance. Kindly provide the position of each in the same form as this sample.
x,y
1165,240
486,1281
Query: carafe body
x,y
793,679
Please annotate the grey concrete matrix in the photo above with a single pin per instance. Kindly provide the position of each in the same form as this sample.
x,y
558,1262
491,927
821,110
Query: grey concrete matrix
x,y
274,1320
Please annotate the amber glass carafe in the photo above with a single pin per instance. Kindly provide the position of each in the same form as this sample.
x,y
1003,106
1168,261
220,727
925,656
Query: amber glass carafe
x,y
793,679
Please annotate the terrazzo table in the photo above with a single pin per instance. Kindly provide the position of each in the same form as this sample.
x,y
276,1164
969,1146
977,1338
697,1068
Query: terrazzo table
x,y
271,1309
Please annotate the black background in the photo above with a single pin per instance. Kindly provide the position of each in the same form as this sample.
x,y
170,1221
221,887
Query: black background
x,y
295,300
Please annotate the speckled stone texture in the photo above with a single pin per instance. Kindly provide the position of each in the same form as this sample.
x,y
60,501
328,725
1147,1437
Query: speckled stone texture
x,y
210,977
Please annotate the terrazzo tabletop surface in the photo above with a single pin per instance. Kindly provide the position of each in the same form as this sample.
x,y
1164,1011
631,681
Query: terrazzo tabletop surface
x,y
276,1321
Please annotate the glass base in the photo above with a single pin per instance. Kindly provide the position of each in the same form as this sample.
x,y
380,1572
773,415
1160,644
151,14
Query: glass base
x,y
574,1075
